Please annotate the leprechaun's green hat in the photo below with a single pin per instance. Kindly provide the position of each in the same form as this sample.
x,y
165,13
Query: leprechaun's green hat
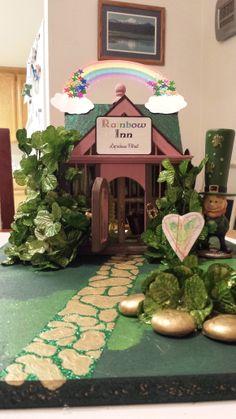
x,y
219,147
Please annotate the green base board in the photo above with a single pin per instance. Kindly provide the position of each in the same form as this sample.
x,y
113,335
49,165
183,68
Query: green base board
x,y
136,365
122,391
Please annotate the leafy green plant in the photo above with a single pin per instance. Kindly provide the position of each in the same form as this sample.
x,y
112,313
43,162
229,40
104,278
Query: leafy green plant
x,y
187,287
180,198
221,284
51,224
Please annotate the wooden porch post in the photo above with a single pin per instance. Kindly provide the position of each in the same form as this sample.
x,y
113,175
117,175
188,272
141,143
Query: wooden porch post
x,y
121,209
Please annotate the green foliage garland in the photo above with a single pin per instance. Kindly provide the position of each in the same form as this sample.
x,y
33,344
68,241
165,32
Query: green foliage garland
x,y
50,224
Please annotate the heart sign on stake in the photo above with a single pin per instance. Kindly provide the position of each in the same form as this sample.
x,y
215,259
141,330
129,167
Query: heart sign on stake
x,y
182,231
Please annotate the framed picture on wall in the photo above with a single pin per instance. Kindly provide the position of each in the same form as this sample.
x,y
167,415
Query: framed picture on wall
x,y
131,31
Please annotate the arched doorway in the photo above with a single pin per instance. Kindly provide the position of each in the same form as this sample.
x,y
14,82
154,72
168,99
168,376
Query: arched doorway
x,y
126,210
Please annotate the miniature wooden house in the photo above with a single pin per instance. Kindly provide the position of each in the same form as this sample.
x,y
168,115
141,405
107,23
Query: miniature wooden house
x,y
120,153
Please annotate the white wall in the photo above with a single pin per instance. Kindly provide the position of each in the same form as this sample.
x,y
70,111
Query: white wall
x,y
73,44
219,86
203,69
20,21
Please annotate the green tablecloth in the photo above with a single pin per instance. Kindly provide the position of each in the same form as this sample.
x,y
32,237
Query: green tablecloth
x,y
136,364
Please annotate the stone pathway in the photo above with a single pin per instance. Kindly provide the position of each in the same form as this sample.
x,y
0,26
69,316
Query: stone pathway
x,y
71,344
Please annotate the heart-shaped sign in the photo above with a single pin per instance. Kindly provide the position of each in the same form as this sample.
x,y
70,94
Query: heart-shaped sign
x,y
182,231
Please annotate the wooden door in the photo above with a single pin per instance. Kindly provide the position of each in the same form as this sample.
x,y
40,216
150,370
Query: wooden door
x,y
100,214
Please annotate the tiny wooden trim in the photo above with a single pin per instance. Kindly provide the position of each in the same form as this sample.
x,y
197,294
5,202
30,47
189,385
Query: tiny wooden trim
x,y
13,70
121,210
124,159
127,55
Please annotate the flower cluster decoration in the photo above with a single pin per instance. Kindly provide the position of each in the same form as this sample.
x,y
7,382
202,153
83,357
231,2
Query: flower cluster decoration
x,y
77,85
163,87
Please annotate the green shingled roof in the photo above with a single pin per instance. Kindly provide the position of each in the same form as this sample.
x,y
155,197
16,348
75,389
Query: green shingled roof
x,y
167,125
84,123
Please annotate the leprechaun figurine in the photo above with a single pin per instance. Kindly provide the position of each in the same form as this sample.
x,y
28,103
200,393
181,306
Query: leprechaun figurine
x,y
219,147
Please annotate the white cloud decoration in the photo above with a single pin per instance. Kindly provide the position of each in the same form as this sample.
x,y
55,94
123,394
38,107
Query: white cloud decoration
x,y
72,105
165,103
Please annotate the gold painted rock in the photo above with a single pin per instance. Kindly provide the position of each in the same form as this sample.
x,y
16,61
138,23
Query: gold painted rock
x,y
221,327
172,322
129,306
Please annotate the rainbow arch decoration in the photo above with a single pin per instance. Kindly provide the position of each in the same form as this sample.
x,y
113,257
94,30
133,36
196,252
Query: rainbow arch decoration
x,y
82,79
111,68
73,99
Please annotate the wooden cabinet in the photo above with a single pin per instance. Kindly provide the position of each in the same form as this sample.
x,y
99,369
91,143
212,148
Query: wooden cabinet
x,y
13,111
